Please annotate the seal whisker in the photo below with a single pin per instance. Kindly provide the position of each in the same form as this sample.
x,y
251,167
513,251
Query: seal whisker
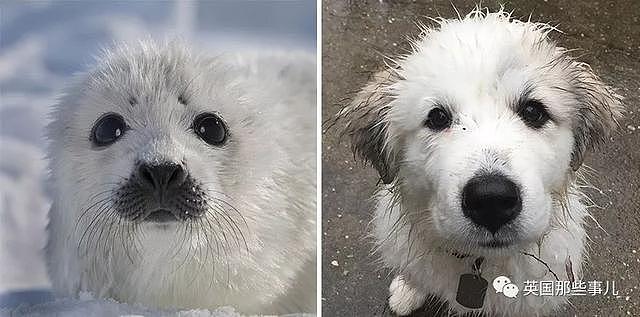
x,y
233,208
209,247
235,229
125,228
185,258
221,244
90,226
97,204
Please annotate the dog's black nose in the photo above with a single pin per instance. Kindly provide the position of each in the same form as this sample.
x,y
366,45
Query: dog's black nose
x,y
163,176
491,201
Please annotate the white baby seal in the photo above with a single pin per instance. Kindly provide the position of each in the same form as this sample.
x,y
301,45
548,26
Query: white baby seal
x,y
182,181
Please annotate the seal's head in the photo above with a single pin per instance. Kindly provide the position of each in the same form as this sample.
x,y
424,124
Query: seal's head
x,y
161,158
152,140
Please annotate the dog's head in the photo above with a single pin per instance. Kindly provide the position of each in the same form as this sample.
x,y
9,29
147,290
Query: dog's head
x,y
481,126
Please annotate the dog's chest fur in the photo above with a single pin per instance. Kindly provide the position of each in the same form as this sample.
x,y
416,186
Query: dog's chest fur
x,y
413,252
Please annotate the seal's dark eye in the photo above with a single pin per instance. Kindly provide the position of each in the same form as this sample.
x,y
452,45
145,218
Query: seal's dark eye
x,y
108,129
534,114
210,128
438,119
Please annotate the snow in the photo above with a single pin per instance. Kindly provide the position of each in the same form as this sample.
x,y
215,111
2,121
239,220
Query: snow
x,y
42,44
95,307
88,306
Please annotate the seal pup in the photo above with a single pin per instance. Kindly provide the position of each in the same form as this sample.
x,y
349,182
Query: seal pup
x,y
479,134
186,181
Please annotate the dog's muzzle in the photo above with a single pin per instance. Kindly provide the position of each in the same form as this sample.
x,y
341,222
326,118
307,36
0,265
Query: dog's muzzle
x,y
491,201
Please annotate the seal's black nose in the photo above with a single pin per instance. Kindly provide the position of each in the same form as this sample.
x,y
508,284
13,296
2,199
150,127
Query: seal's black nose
x,y
491,201
163,176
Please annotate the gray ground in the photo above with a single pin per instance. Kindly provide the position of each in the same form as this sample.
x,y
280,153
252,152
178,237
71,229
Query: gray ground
x,y
356,33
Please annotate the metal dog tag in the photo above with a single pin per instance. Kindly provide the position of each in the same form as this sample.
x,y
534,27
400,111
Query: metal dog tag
x,y
471,291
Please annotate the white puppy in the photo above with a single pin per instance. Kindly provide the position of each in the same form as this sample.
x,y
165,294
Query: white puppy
x,y
478,135
182,181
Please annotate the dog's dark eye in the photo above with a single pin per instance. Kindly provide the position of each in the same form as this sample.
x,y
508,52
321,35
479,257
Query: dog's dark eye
x,y
437,119
108,129
534,114
210,128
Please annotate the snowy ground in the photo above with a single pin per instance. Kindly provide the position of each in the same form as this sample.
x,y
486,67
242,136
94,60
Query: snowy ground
x,y
91,307
88,307
41,45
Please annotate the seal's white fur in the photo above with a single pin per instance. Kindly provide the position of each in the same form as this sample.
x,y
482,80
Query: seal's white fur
x,y
256,251
478,67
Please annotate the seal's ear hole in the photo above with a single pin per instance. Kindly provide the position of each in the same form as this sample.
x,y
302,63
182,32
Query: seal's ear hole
x,y
598,110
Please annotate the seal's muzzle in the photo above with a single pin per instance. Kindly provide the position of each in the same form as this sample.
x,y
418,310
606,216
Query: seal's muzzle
x,y
160,193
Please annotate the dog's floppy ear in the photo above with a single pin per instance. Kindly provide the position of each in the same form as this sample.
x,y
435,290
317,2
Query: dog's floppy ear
x,y
598,109
366,124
